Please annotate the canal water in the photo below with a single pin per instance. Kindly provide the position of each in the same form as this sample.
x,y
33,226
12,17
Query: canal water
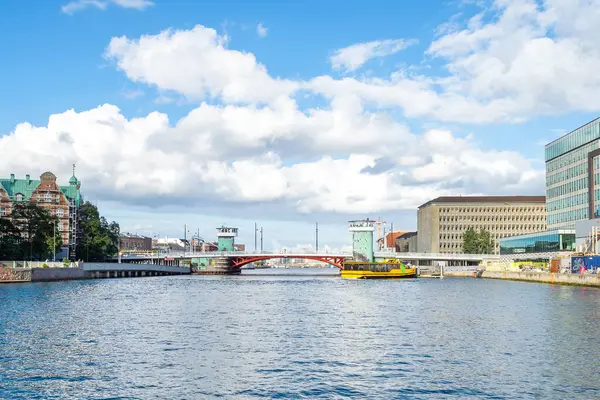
x,y
256,336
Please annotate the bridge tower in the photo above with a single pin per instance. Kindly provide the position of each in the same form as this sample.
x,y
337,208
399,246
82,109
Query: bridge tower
x,y
362,239
226,238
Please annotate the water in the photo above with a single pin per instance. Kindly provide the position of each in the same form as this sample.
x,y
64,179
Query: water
x,y
191,337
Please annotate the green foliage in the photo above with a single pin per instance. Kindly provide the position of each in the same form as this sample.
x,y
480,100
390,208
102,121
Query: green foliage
x,y
470,242
10,240
486,244
100,239
29,233
477,243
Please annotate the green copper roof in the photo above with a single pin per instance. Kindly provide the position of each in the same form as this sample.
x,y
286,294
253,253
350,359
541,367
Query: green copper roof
x,y
27,187
73,180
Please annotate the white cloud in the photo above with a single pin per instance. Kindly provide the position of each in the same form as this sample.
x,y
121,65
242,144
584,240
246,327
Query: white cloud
x,y
132,94
352,57
78,5
163,99
251,155
261,30
198,64
258,146
519,59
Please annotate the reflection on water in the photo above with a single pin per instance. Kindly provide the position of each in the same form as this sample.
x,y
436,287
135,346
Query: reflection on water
x,y
192,337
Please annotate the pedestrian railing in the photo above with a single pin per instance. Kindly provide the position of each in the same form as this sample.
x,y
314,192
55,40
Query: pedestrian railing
x,y
38,264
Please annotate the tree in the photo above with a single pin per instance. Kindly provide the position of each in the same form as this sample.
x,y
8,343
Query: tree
x,y
10,239
477,243
470,239
485,243
99,239
36,229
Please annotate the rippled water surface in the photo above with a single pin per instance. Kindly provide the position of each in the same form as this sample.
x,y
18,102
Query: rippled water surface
x,y
192,337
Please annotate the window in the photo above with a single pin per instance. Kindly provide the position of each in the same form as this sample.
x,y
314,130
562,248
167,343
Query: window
x,y
19,197
47,197
2,212
59,226
37,197
60,213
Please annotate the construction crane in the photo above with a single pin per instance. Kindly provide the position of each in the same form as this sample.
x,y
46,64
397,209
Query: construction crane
x,y
379,223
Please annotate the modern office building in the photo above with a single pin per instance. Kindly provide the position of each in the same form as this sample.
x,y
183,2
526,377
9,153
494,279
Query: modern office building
x,y
61,201
573,177
540,243
442,222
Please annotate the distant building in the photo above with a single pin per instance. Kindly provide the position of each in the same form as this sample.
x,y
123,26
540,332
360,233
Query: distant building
x,y
573,177
61,201
131,242
407,242
442,222
539,243
389,240
169,244
196,245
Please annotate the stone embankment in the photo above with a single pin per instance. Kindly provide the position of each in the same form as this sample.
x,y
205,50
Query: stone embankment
x,y
10,275
530,276
88,271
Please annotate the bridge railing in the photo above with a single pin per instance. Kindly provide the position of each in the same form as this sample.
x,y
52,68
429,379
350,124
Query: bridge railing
x,y
179,254
463,268
438,256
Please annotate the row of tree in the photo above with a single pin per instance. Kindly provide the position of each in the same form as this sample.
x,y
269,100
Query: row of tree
x,y
477,242
31,233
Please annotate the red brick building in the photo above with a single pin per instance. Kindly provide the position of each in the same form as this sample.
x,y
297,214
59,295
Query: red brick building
x,y
131,243
61,201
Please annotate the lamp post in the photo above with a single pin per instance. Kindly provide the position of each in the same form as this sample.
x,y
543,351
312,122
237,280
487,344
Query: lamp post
x,y
54,241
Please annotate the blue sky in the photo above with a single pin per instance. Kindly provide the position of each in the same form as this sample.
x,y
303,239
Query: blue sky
x,y
267,114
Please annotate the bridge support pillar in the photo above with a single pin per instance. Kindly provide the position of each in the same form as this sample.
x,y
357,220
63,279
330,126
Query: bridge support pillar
x,y
220,266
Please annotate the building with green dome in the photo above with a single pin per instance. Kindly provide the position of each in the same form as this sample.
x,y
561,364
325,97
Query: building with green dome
x,y
61,201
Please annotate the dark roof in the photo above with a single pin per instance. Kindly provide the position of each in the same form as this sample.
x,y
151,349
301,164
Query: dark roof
x,y
407,235
486,199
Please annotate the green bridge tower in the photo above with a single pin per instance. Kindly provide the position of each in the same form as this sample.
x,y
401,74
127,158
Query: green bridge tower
x,y
362,239
226,238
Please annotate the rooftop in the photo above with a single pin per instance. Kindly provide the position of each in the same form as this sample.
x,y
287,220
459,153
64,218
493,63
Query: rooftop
x,y
485,199
127,235
25,187
407,235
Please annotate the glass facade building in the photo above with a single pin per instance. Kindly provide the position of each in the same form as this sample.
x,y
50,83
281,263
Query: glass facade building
x,y
542,242
571,193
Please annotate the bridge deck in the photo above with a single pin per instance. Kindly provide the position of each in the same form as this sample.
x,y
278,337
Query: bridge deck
x,y
378,255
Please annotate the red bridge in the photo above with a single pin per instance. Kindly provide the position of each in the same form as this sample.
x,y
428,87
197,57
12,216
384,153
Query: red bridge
x,y
241,260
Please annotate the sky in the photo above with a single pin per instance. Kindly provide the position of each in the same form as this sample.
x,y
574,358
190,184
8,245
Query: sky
x,y
287,113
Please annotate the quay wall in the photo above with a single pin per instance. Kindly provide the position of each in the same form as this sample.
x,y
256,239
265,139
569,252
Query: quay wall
x,y
541,277
9,275
88,271
56,274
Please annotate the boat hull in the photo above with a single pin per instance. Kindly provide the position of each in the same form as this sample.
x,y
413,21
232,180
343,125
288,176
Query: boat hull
x,y
391,274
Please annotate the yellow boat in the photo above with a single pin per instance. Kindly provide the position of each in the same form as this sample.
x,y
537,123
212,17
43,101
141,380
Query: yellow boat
x,y
389,268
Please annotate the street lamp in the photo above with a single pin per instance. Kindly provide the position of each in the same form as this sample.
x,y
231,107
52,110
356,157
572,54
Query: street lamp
x,y
54,246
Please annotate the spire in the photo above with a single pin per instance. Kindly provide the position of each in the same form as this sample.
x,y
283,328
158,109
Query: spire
x,y
73,181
